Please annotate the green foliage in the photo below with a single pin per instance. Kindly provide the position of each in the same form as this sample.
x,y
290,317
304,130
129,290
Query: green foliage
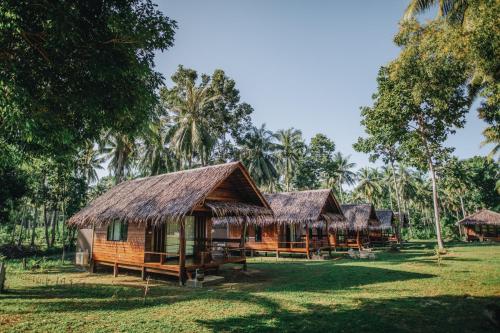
x,y
398,292
69,69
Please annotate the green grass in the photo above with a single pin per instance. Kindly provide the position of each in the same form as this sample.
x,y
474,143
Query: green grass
x,y
397,292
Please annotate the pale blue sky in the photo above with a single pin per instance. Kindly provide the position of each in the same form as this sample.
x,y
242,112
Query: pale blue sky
x,y
303,64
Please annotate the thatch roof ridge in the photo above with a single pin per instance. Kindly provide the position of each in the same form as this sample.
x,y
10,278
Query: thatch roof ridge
x,y
386,218
302,206
360,216
164,197
483,216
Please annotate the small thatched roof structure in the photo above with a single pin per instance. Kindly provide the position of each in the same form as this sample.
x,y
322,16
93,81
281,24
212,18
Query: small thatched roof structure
x,y
171,196
484,216
315,207
386,218
359,217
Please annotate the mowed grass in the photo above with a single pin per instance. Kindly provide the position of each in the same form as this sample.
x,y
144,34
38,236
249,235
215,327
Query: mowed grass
x,y
398,292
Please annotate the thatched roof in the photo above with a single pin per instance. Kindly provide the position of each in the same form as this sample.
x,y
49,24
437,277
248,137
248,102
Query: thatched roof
x,y
386,218
359,217
171,196
484,216
315,207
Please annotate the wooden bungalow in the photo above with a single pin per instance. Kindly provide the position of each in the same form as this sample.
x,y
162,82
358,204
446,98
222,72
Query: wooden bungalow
x,y
163,224
300,223
386,231
482,225
354,232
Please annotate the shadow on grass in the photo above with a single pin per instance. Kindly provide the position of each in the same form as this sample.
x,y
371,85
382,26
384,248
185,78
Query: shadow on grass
x,y
269,277
415,314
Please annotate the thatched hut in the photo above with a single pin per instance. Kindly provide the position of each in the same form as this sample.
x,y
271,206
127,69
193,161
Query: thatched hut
x,y
386,231
299,225
163,224
355,231
482,225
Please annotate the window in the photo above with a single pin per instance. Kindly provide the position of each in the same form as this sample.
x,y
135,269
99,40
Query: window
x,y
117,231
258,233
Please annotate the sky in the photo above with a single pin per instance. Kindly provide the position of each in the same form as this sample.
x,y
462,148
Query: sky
x,y
304,64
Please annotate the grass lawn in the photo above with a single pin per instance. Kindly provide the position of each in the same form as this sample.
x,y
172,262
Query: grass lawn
x,y
397,292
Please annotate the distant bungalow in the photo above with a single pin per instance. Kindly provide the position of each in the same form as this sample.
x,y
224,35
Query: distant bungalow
x,y
386,231
300,223
163,224
482,225
355,231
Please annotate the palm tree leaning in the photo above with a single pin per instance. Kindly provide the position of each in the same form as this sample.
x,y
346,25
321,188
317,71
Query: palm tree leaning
x,y
257,151
345,173
191,127
290,148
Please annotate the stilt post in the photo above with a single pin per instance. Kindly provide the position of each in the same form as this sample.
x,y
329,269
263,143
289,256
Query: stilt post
x,y
182,252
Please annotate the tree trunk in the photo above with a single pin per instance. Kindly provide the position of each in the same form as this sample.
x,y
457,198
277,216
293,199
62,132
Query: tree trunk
x,y
23,224
33,227
398,202
462,206
46,225
436,206
53,228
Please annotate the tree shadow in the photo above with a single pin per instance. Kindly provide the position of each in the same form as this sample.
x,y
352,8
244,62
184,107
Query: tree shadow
x,y
415,314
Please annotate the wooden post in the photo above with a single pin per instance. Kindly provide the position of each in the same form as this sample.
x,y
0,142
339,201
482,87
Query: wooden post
x,y
328,240
277,240
242,244
182,252
308,255
143,273
3,270
115,270
357,240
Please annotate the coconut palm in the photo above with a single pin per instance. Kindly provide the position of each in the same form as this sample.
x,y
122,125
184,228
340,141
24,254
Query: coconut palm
x,y
345,173
368,187
492,136
120,150
290,149
454,10
191,131
89,162
157,157
257,153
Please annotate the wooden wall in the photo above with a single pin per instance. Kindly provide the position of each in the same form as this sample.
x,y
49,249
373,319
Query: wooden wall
x,y
131,251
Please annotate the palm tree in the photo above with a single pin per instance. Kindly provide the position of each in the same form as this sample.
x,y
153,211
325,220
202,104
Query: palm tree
x,y
257,153
453,10
290,149
492,136
345,175
120,150
368,187
89,162
157,157
191,130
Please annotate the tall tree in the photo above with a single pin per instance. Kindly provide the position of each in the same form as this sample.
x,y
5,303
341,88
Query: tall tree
x,y
120,150
290,149
369,186
421,99
345,173
71,69
257,151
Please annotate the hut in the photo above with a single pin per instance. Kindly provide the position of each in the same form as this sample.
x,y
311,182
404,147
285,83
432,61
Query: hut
x,y
354,232
386,231
163,224
299,225
482,225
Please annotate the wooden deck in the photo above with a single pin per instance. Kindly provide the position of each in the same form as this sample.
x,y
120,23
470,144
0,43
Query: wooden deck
x,y
171,267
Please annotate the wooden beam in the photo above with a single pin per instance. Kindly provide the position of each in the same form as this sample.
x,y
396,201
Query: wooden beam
x,y
182,252
307,242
